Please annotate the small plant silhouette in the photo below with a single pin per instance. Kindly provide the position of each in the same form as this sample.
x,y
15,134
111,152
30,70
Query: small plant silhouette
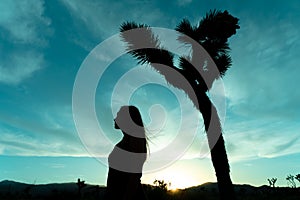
x,y
272,182
80,184
297,177
291,181
161,184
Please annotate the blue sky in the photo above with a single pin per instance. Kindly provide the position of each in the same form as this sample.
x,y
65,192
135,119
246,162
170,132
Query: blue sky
x,y
43,45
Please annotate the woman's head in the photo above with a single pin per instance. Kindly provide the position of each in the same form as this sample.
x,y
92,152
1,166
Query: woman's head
x,y
129,120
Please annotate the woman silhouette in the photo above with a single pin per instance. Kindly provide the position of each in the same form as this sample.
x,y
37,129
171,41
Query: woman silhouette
x,y
127,158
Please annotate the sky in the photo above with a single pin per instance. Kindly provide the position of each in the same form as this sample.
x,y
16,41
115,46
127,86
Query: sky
x,y
46,46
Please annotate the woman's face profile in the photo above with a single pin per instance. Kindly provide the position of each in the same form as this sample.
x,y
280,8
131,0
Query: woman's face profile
x,y
115,120
120,120
124,121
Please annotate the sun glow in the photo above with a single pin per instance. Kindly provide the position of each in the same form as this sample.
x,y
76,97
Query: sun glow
x,y
183,174
174,190
180,180
175,179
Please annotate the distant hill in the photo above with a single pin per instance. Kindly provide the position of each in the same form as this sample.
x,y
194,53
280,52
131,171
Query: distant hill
x,y
11,190
244,191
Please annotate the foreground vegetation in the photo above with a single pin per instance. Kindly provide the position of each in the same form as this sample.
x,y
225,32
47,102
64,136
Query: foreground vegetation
x,y
70,191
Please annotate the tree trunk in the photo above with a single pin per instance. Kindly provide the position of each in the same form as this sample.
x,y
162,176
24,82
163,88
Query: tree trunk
x,y
217,147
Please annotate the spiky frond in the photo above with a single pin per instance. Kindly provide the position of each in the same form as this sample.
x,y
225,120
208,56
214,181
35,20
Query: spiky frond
x,y
218,25
215,48
143,45
187,29
212,33
125,26
138,36
223,62
215,29
219,52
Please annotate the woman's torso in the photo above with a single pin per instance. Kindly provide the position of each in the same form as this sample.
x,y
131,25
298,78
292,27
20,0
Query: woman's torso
x,y
118,179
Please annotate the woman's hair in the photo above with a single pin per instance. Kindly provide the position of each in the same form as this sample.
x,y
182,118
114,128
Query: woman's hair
x,y
129,120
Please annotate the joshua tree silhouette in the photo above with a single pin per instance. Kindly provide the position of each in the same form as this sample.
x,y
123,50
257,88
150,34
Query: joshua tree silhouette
x,y
272,182
80,184
291,181
161,184
297,177
212,33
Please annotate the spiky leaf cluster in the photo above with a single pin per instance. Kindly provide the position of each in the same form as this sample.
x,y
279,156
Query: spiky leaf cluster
x,y
211,33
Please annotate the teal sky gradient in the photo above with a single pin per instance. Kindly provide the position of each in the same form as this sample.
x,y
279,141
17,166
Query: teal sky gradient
x,y
43,44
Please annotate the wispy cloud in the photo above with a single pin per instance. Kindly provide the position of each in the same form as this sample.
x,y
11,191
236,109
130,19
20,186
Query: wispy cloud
x,y
55,165
253,139
184,2
42,133
20,66
24,20
265,70
24,145
26,29
262,90
103,19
